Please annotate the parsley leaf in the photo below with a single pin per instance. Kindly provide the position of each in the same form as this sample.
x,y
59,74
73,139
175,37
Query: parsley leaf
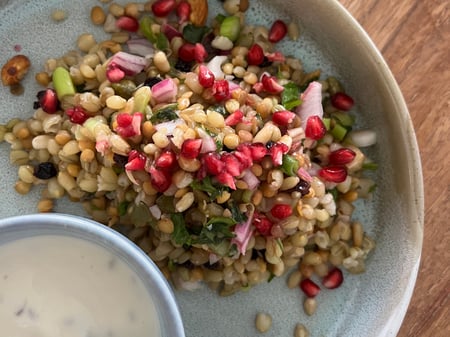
x,y
194,34
165,114
216,234
236,213
180,233
290,96
206,185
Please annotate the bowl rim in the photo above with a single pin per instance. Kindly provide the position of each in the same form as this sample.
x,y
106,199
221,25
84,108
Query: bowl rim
x,y
79,227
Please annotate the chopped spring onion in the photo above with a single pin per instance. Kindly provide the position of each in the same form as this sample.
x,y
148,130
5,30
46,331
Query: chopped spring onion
x,y
230,27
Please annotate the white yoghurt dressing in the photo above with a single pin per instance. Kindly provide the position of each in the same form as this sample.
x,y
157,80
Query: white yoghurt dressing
x,y
59,286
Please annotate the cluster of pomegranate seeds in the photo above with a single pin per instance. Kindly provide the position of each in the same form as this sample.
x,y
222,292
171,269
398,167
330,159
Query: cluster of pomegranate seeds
x,y
342,101
47,100
213,163
332,280
255,55
162,8
278,31
127,23
281,211
206,77
341,156
77,114
315,129
262,224
114,73
276,151
129,125
335,174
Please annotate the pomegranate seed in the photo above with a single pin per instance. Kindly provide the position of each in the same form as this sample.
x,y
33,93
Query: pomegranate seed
x,y
48,101
129,125
244,158
114,73
276,57
334,279
341,156
162,8
183,11
160,179
221,90
232,164
77,115
315,129
127,23
186,52
281,211
226,179
255,55
309,287
335,174
276,151
277,31
342,101
258,87
190,148
259,151
213,163
136,161
283,118
200,53
234,118
262,224
166,160
205,76
271,85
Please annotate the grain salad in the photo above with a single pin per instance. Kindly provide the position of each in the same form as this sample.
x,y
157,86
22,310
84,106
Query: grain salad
x,y
220,156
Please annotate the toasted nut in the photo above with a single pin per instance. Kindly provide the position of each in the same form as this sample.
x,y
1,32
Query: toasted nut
x,y
98,16
199,12
15,69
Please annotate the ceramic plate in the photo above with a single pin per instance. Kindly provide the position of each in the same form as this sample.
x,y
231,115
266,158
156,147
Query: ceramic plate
x,y
372,304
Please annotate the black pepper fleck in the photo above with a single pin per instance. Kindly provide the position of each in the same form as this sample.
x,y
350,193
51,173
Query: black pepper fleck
x,y
45,170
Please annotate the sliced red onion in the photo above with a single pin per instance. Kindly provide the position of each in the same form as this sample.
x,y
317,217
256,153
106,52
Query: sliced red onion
x,y
232,86
303,174
363,138
141,47
165,91
312,103
156,211
244,231
215,65
251,180
129,63
170,32
314,170
208,143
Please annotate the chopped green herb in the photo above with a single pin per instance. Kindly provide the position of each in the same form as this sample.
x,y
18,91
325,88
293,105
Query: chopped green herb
x,y
162,43
145,26
122,208
194,34
166,204
236,213
334,192
206,185
216,230
180,233
165,114
370,165
290,97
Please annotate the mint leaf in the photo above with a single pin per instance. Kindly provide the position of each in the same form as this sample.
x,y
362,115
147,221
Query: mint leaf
x,y
290,96
194,34
206,185
236,213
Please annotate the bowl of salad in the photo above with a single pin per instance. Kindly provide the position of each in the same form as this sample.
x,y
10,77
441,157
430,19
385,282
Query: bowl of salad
x,y
261,155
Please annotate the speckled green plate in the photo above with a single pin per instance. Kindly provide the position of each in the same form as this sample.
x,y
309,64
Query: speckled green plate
x,y
372,304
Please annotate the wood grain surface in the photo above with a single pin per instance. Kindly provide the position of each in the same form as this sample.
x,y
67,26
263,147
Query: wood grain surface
x,y
414,38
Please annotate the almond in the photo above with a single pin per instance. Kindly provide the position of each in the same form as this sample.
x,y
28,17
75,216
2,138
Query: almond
x,y
199,12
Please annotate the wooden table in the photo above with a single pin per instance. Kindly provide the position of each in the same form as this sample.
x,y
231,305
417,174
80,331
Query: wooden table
x,y
414,38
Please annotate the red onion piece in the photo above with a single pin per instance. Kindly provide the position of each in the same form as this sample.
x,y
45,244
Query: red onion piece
x,y
141,47
165,91
312,103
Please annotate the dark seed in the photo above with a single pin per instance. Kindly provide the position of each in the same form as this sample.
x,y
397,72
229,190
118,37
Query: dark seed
x,y
151,81
120,160
183,66
270,144
303,187
265,63
45,170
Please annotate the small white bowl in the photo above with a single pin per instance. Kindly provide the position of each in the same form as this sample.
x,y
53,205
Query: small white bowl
x,y
102,239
